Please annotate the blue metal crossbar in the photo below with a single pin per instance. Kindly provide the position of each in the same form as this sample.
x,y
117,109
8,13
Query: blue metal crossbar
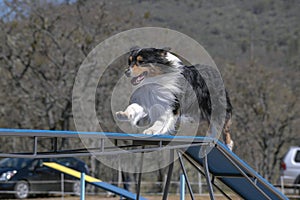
x,y
110,135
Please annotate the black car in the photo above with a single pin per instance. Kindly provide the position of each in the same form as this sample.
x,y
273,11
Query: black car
x,y
25,176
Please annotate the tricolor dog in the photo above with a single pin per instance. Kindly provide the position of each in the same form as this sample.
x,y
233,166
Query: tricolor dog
x,y
159,76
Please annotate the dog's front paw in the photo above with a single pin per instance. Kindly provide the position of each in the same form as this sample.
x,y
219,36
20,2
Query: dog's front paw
x,y
149,131
155,130
122,116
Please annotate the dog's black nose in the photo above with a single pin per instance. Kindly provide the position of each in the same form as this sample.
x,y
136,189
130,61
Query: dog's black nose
x,y
127,72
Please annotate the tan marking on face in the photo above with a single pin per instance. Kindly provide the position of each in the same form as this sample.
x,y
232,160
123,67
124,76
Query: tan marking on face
x,y
130,58
163,53
139,58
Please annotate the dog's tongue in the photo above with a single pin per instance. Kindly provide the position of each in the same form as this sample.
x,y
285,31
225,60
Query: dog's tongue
x,y
136,80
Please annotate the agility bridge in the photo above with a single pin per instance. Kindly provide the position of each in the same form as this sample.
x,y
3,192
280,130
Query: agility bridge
x,y
218,163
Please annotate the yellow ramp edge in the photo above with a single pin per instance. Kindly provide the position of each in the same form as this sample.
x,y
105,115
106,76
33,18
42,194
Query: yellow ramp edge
x,y
70,171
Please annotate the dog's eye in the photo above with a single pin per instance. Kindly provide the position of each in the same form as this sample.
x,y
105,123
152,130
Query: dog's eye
x,y
141,62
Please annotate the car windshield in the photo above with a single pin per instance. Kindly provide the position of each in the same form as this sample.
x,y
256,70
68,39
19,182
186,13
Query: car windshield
x,y
69,162
14,162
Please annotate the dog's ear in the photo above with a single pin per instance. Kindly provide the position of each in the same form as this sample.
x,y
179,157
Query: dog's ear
x,y
135,48
164,51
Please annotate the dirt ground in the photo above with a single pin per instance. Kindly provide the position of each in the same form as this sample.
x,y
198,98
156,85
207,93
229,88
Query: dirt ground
x,y
98,197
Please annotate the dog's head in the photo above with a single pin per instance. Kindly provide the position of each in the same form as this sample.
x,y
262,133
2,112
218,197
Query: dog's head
x,y
146,63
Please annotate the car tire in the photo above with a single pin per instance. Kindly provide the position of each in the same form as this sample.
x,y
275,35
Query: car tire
x,y
21,190
76,188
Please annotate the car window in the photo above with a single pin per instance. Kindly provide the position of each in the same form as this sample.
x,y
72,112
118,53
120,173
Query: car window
x,y
33,165
297,157
14,162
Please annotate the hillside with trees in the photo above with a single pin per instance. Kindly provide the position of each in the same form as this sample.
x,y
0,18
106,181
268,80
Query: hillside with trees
x,y
255,44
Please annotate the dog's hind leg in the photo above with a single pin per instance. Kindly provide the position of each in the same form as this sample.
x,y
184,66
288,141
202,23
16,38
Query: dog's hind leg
x,y
133,113
166,124
226,135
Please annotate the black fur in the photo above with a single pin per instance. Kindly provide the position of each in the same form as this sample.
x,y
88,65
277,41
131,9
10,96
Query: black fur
x,y
192,75
150,55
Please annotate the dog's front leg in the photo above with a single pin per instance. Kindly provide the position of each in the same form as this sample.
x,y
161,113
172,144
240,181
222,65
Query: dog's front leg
x,y
166,124
133,113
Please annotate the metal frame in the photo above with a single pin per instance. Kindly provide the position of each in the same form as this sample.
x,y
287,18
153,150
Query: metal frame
x,y
140,178
207,176
204,174
254,183
170,171
185,175
140,143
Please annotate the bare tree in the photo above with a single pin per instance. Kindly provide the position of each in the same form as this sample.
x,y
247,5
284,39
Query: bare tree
x,y
265,112
43,44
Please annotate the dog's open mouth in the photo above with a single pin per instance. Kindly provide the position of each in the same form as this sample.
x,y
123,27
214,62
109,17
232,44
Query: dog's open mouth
x,y
136,80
